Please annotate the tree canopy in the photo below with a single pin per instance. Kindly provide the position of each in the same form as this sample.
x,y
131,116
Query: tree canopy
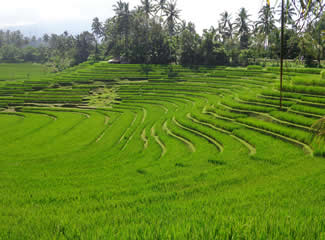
x,y
154,32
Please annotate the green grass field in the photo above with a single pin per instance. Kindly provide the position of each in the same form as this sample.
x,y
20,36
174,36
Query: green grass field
x,y
104,151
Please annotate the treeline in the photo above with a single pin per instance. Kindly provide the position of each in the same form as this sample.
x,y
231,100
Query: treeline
x,y
15,47
58,51
153,32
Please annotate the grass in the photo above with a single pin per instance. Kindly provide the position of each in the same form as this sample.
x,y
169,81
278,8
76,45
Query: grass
x,y
104,151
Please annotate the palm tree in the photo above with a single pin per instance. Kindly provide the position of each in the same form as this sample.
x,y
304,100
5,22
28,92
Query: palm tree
x,y
309,11
123,22
225,26
172,16
46,38
160,6
289,13
266,23
118,8
147,7
242,27
97,29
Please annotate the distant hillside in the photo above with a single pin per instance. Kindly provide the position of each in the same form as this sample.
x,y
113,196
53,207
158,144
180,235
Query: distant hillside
x,y
73,27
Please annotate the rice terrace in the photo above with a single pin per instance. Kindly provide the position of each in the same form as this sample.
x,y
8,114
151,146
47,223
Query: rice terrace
x,y
145,128
110,150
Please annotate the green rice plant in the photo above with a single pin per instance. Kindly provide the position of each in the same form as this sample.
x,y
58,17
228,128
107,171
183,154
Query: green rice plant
x,y
304,89
254,67
277,94
307,82
204,132
319,137
285,103
296,70
313,99
299,135
309,109
246,107
224,113
215,122
294,118
85,161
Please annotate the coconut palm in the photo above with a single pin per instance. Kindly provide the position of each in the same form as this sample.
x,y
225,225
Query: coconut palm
x,y
118,8
160,6
147,7
266,23
242,21
242,27
225,26
123,13
172,16
289,13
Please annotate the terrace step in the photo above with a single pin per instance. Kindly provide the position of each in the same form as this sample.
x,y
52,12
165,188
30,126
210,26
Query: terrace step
x,y
185,141
250,147
160,143
198,133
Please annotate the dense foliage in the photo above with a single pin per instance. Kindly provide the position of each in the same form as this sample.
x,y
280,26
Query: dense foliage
x,y
153,32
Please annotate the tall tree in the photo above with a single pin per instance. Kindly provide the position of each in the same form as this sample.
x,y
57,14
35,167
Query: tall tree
x,y
97,29
46,38
266,22
84,46
225,26
289,13
172,16
242,27
160,6
189,45
147,7
318,31
123,23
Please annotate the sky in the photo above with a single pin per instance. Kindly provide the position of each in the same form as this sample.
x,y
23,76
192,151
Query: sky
x,y
40,16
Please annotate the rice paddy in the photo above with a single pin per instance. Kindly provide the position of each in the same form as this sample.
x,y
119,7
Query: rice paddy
x,y
103,151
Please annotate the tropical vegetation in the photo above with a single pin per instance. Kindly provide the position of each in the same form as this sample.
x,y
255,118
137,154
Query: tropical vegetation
x,y
154,32
184,140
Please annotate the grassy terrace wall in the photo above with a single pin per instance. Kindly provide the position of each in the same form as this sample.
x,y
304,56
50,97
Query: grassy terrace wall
x,y
104,151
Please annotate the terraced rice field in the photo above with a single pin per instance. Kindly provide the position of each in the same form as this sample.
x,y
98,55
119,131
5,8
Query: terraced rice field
x,y
106,151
